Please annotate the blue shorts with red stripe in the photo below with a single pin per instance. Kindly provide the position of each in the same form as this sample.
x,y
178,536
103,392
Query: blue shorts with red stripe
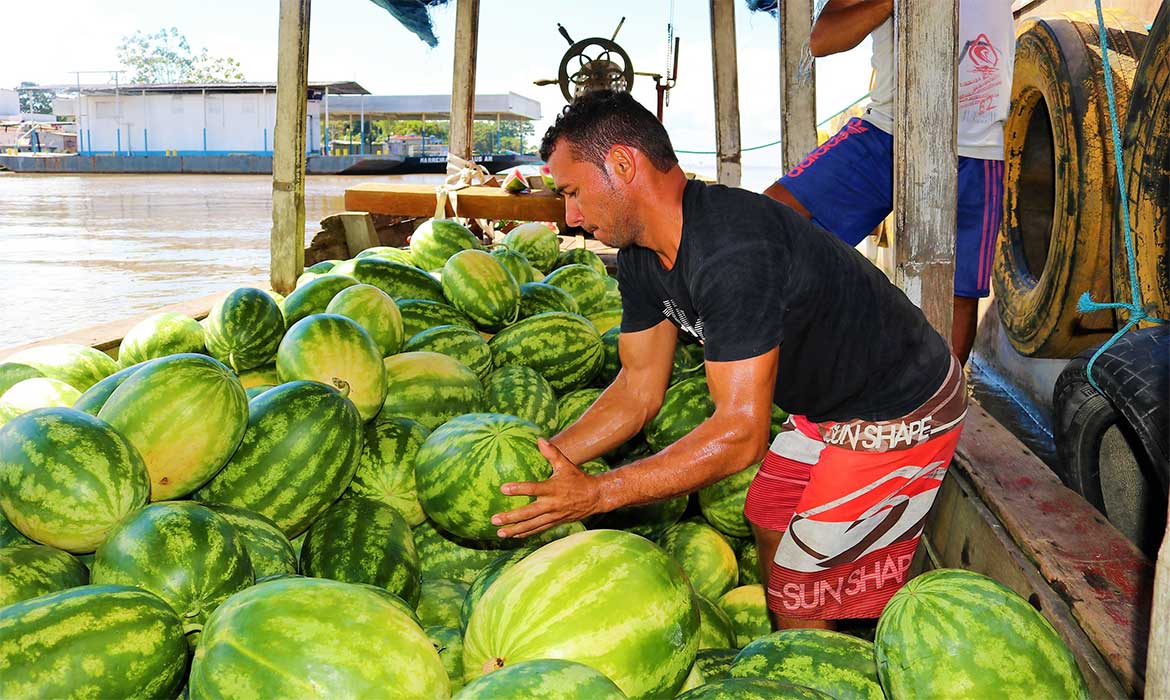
x,y
847,186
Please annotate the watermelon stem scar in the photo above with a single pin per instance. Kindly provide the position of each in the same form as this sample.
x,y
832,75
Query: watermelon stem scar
x,y
493,664
341,385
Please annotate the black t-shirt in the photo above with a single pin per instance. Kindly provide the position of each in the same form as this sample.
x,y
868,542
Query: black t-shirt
x,y
751,274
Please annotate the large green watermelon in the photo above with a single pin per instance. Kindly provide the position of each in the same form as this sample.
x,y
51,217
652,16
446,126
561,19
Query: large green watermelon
x,y
374,311
268,549
430,388
440,601
520,391
13,372
95,397
747,607
573,405
398,280
30,570
748,556
582,256
704,555
9,535
715,628
463,344
543,679
583,282
435,241
336,351
752,689
180,551
39,392
606,320
685,406
313,297
953,633
687,363
479,286
565,348
92,642
836,664
244,329
265,375
722,503
299,452
314,638
80,366
516,263
160,335
441,555
421,314
537,242
538,297
386,469
461,466
398,255
621,605
186,415
67,478
711,665
448,641
487,576
612,363
360,540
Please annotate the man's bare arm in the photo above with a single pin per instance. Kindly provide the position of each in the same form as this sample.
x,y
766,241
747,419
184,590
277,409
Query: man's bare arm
x,y
843,24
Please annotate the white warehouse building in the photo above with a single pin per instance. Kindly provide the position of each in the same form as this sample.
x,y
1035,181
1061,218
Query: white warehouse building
x,y
191,119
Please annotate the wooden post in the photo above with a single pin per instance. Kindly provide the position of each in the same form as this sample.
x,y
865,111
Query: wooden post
x,y
727,142
925,158
462,134
359,231
798,90
1158,655
287,244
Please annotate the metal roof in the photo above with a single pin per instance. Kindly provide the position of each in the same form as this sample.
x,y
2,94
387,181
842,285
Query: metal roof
x,y
509,106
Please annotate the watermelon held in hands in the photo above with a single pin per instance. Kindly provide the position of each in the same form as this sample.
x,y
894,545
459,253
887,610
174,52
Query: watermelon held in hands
x,y
31,570
543,679
374,311
839,665
537,242
386,469
461,466
950,633
162,334
337,352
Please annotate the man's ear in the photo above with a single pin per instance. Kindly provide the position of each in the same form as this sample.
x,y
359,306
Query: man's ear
x,y
622,163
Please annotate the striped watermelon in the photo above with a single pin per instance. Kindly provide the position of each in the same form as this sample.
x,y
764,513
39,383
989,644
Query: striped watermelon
x,y
398,280
543,679
160,335
299,452
67,478
479,286
685,406
637,624
951,633
748,556
583,282
440,601
386,469
752,689
13,372
80,366
582,256
564,348
607,319
255,391
711,666
520,391
186,415
537,242
612,363
704,555
180,551
514,262
461,466
715,628
313,297
360,540
722,503
435,241
39,392
420,314
573,405
444,556
448,641
91,642
487,576
688,362
95,397
268,549
31,570
538,297
335,350
374,311
463,344
244,329
398,255
836,664
318,638
261,376
9,535
429,388
748,609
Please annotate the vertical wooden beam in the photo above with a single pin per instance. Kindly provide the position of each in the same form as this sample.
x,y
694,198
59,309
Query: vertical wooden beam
x,y
727,143
1158,656
463,81
926,37
287,244
798,91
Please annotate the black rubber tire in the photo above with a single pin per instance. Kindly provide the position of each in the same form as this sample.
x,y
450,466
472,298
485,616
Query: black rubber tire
x,y
1131,414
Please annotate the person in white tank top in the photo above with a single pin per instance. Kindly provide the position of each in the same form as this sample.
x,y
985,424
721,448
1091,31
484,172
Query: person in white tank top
x,y
846,184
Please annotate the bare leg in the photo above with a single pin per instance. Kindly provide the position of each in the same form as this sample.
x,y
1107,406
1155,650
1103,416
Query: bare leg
x,y
781,194
963,327
767,541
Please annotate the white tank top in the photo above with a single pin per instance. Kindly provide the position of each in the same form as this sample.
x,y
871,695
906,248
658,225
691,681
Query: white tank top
x,y
987,47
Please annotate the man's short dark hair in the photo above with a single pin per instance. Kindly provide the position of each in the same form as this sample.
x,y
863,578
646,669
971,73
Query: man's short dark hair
x,y
597,121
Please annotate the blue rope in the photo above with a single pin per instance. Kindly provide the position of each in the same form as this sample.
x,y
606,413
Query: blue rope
x,y
1085,304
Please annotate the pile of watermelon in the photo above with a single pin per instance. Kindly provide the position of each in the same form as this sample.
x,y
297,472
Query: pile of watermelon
x,y
292,498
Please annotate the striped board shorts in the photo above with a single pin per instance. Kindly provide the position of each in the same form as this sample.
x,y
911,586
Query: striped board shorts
x,y
851,499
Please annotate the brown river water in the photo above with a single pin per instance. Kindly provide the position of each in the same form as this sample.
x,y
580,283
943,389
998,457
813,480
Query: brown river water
x,y
80,250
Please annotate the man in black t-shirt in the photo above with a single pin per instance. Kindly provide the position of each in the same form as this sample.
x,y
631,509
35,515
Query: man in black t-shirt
x,y
786,313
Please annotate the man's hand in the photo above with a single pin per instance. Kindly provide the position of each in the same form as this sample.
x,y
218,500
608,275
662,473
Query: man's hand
x,y
567,496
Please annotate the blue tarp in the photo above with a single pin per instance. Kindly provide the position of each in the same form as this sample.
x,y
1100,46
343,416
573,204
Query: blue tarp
x,y
415,16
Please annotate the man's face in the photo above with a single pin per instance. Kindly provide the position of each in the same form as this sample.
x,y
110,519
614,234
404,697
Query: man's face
x,y
595,202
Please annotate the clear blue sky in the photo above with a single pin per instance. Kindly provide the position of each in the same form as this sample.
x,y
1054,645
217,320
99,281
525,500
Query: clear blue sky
x,y
356,40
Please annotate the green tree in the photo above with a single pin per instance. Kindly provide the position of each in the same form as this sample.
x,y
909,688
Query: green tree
x,y
35,101
166,57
